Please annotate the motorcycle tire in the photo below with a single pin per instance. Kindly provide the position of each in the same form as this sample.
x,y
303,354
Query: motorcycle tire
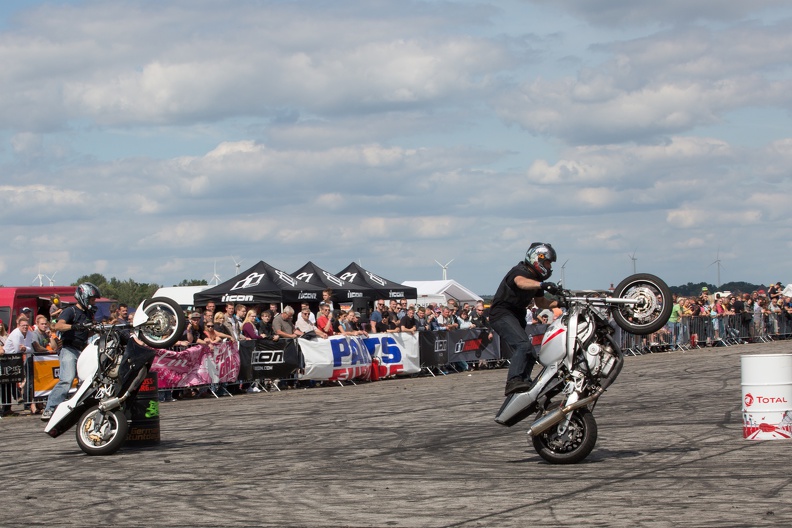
x,y
165,325
574,445
653,313
102,433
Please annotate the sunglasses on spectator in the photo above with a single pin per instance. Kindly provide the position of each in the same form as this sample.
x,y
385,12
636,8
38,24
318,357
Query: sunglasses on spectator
x,y
209,326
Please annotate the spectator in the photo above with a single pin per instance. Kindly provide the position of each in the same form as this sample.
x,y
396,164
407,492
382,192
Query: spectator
x,y
464,320
402,309
327,298
210,335
249,325
303,306
222,328
376,316
240,311
55,307
19,342
448,319
265,327
306,327
478,318
283,325
420,319
324,321
408,322
193,335
355,324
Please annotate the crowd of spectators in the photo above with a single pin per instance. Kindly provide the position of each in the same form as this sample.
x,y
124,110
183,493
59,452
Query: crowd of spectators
x,y
719,318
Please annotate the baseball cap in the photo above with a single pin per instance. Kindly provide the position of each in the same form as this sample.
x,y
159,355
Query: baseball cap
x,y
26,309
704,289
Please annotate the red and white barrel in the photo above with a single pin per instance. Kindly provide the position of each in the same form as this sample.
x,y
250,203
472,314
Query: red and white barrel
x,y
766,396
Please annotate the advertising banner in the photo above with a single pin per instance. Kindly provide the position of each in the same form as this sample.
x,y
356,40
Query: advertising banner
x,y
197,365
11,369
433,348
338,358
46,369
397,353
267,359
472,344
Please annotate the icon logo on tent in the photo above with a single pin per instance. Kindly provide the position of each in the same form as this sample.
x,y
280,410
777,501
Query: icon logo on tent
x,y
254,279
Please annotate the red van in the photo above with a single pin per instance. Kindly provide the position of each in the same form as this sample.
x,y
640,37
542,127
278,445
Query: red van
x,y
38,299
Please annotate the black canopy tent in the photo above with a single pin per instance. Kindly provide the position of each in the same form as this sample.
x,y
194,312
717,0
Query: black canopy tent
x,y
261,283
342,291
381,288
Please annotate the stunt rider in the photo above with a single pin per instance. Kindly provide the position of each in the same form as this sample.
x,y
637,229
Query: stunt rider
x,y
74,341
523,284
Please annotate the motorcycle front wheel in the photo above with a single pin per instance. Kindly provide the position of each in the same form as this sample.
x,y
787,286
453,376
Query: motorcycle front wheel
x,y
165,324
101,433
571,446
654,305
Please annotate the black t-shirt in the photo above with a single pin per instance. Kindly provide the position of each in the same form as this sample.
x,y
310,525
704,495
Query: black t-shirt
x,y
74,338
509,299
407,322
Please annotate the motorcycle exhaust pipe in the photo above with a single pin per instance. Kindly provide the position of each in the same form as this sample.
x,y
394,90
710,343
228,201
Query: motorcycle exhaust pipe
x,y
114,403
549,420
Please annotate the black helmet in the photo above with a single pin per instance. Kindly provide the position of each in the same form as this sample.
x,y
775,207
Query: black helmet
x,y
83,294
538,256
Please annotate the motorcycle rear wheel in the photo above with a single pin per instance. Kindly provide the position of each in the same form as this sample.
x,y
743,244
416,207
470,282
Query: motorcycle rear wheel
x,y
654,309
575,444
165,325
101,433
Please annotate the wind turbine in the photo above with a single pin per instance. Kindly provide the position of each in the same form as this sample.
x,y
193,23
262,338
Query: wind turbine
x,y
563,272
445,268
237,264
51,279
634,259
215,277
718,262
39,277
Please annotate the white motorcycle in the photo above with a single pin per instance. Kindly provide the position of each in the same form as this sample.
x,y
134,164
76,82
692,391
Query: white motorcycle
x,y
111,369
580,359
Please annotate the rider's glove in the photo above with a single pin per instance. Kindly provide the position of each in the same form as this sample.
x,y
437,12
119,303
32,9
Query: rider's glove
x,y
80,326
549,287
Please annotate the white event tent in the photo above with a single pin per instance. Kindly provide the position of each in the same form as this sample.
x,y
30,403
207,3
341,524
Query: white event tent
x,y
439,291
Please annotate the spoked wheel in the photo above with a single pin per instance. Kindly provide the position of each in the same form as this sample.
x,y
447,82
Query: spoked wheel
x,y
572,445
101,433
165,324
653,308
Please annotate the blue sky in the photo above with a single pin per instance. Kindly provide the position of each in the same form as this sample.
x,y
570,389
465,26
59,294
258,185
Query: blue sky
x,y
155,141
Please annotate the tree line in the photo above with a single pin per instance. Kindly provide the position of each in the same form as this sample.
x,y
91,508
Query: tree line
x,y
129,292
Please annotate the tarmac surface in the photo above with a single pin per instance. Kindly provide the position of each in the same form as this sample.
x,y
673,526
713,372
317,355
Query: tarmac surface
x,y
419,452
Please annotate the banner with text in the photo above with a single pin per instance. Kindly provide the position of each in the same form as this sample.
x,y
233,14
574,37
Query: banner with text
x,y
396,353
267,359
46,369
197,365
11,370
338,358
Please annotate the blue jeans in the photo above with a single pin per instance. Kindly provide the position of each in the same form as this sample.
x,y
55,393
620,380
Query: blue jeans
x,y
674,329
523,359
68,371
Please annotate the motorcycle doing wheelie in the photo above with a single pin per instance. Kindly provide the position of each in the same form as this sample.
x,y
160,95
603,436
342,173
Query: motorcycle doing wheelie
x,y
580,359
111,369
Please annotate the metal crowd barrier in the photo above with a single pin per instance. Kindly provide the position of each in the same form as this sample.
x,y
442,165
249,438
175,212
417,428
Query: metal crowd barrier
x,y
702,331
690,333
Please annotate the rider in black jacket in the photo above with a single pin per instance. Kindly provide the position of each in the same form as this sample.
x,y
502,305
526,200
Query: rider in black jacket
x,y
523,285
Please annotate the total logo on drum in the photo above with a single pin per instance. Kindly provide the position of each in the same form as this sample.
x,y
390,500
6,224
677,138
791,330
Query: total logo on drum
x,y
749,399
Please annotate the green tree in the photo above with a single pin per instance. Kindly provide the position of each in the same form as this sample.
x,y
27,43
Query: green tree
x,y
128,291
192,282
